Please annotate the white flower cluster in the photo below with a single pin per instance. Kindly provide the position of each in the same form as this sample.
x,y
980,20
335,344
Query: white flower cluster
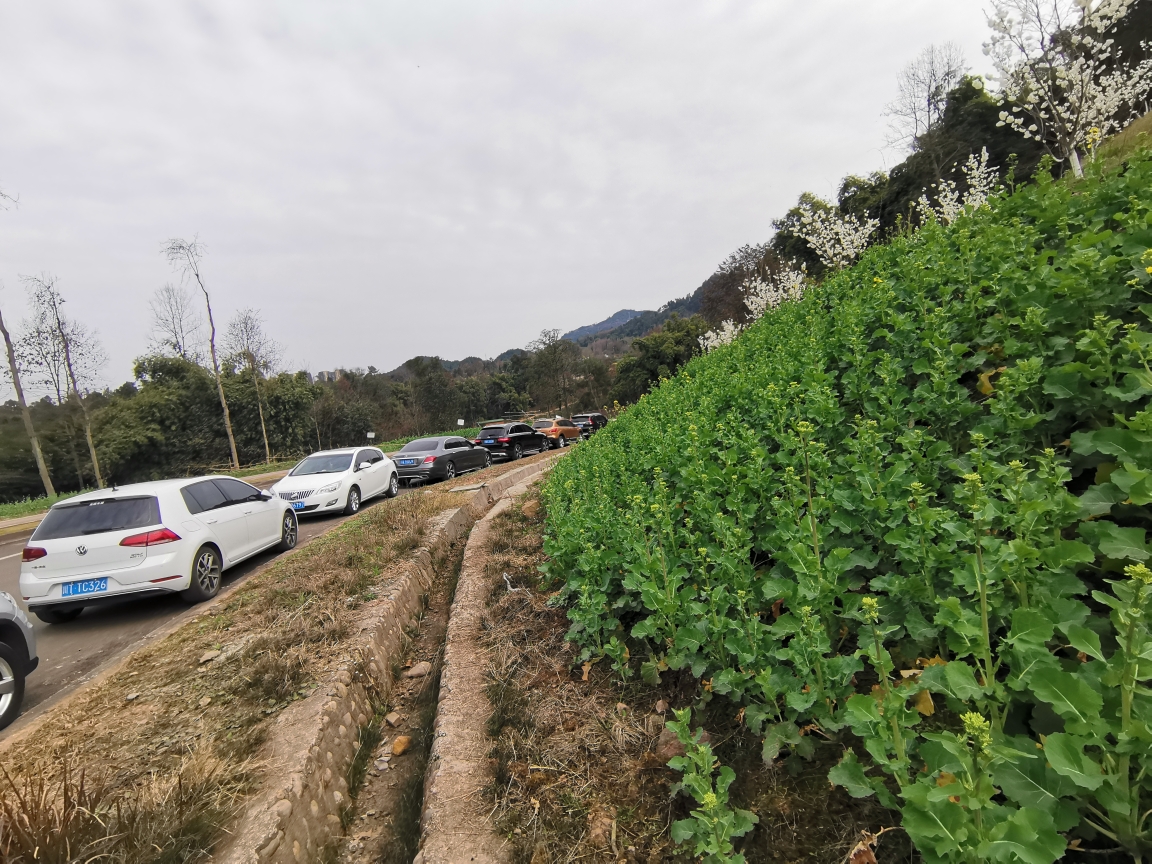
x,y
727,331
837,240
1067,86
760,296
982,181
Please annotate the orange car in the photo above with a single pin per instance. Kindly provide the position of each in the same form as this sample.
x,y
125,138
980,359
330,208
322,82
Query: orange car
x,y
559,432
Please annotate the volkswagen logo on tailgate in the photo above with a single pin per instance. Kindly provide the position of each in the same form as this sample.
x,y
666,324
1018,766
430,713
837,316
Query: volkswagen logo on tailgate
x,y
81,550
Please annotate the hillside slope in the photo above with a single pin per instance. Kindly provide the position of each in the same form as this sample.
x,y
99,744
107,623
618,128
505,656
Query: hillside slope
x,y
945,453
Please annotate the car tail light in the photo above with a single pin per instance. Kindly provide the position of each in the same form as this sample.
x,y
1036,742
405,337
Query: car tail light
x,y
150,538
31,553
428,460
503,440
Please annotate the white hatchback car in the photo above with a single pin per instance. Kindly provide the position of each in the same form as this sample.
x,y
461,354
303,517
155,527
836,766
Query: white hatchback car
x,y
148,538
338,480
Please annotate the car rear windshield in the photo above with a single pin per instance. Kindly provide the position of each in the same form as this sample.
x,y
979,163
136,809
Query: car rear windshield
x,y
542,424
421,445
582,418
331,464
489,431
98,517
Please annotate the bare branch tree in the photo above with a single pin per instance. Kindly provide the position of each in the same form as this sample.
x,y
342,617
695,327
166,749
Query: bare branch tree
x,y
185,257
14,371
922,91
176,324
247,342
47,302
1062,82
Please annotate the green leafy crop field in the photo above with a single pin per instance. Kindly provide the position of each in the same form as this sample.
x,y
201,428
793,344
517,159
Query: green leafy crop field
x,y
912,506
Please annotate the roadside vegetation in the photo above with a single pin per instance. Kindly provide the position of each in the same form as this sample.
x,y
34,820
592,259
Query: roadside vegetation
x,y
903,519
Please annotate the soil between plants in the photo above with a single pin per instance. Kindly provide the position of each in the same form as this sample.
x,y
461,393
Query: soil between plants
x,y
577,776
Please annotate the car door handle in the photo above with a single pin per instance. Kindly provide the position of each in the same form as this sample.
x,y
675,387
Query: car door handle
x,y
248,512
211,521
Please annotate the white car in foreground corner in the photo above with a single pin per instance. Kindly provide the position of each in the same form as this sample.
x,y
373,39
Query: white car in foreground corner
x,y
148,538
338,480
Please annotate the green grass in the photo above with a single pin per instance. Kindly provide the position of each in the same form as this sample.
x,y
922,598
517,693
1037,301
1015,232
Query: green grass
x,y
31,506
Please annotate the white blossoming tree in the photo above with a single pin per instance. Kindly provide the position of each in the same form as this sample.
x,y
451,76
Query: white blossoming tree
x,y
836,238
1061,75
982,181
761,295
722,335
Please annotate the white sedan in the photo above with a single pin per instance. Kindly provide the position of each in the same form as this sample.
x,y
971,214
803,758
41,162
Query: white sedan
x,y
148,538
338,480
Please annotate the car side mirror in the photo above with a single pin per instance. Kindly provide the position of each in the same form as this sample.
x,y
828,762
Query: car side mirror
x,y
263,496
363,465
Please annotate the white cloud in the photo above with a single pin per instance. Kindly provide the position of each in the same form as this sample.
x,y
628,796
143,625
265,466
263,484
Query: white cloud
x,y
386,179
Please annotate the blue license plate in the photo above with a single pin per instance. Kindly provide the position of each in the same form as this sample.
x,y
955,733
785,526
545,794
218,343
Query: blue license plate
x,y
87,586
489,441
297,505
406,462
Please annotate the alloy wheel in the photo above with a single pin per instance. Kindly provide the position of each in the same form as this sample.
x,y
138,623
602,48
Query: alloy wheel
x,y
207,572
354,500
289,532
450,471
7,685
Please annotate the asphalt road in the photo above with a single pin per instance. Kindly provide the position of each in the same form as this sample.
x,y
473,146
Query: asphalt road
x,y
69,652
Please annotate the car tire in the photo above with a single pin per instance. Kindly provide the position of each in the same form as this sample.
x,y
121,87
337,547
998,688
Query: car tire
x,y
516,452
562,441
289,532
487,461
58,616
353,505
450,471
11,683
393,487
206,569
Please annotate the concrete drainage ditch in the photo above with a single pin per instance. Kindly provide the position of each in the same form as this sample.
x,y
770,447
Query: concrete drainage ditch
x,y
300,811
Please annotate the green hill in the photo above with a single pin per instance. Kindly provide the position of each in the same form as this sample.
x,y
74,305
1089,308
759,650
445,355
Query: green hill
x,y
937,461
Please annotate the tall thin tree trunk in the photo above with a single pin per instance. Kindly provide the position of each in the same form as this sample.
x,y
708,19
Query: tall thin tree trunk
x,y
41,466
260,407
216,372
1074,158
66,342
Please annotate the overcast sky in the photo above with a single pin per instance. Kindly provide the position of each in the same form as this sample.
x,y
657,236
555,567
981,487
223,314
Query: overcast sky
x,y
386,179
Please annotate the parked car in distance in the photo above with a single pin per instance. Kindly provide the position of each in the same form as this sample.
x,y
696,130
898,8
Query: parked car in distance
x,y
161,537
338,480
511,439
589,423
439,458
18,658
559,432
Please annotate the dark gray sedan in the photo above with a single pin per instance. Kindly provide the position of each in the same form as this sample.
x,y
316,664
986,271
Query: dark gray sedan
x,y
439,458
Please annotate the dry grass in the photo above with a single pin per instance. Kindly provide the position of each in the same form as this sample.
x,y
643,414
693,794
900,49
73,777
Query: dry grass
x,y
169,730
1121,145
574,772
577,778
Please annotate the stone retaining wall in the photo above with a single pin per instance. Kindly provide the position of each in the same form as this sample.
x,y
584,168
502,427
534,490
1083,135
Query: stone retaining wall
x,y
313,742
